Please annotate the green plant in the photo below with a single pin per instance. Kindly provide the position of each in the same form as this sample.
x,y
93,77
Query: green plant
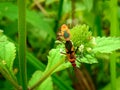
x,y
49,71
56,61
22,43
7,56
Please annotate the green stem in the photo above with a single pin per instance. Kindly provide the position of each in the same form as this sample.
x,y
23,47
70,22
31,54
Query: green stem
x,y
114,18
114,32
47,74
10,79
22,43
56,79
59,15
113,71
38,65
73,11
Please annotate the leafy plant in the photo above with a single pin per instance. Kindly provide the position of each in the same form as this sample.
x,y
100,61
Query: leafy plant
x,y
56,61
41,27
47,84
7,56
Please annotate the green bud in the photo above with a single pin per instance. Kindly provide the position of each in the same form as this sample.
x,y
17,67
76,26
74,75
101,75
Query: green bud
x,y
80,34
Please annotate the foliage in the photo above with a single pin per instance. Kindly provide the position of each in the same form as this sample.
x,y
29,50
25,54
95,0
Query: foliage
x,y
56,61
32,17
47,84
80,34
117,85
104,44
88,45
55,57
48,67
35,25
7,55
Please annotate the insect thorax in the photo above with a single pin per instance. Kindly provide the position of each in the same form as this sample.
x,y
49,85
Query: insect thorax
x,y
66,34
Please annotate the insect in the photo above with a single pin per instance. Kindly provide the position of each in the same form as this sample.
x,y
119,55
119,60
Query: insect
x,y
65,33
70,53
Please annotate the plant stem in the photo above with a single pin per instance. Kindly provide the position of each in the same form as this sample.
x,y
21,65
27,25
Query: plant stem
x,y
73,11
113,70
38,65
10,79
22,43
114,18
59,15
113,32
47,74
56,79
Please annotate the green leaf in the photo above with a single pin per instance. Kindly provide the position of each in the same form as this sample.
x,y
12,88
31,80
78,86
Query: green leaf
x,y
87,58
54,57
11,29
80,6
7,53
46,85
88,4
108,87
10,11
107,44
56,79
37,20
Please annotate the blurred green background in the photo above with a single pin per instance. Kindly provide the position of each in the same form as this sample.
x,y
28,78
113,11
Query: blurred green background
x,y
43,20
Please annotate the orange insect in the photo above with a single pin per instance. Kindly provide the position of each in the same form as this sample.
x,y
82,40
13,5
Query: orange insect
x,y
65,33
70,53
